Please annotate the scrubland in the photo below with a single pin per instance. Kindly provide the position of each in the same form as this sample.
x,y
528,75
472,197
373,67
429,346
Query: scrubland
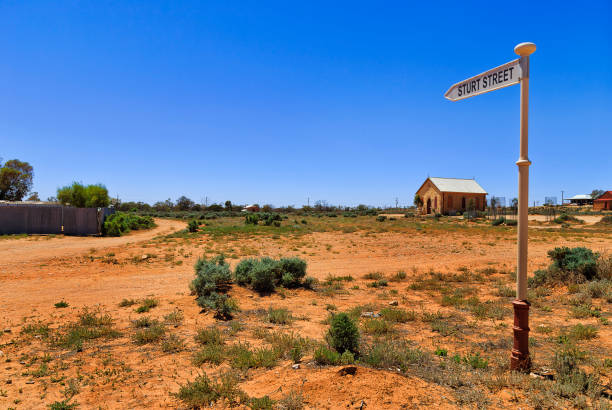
x,y
305,312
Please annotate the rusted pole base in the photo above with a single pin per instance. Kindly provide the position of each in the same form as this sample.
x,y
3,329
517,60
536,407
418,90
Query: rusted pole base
x,y
519,359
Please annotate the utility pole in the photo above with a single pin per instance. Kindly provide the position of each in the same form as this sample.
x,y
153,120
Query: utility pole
x,y
562,197
396,203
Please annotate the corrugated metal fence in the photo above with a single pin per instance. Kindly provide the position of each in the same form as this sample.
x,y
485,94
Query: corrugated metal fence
x,y
51,219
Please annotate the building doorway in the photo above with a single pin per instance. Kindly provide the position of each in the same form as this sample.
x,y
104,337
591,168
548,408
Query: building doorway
x,y
429,206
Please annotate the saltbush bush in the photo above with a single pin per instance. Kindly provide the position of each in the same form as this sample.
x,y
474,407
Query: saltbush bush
x,y
120,223
265,274
343,334
212,282
565,218
498,221
569,265
606,220
266,217
324,356
193,226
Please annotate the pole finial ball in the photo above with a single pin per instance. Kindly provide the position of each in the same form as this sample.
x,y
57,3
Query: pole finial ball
x,y
524,49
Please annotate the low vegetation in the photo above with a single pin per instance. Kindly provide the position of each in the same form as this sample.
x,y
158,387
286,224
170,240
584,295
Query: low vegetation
x,y
570,265
120,223
212,282
264,275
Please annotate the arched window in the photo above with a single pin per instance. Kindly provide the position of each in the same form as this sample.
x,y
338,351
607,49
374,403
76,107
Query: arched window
x,y
463,203
436,203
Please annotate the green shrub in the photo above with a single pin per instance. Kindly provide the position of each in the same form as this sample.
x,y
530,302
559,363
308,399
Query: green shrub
x,y
498,221
399,276
261,403
511,222
475,361
397,315
193,226
569,265
294,270
127,302
280,316
203,392
606,220
265,274
209,336
90,325
381,218
120,223
373,276
565,218
172,344
243,358
150,334
378,283
251,219
213,353
242,273
384,354
63,405
325,356
61,304
212,282
441,352
571,380
377,327
598,288
291,401
347,357
343,334
146,305
582,332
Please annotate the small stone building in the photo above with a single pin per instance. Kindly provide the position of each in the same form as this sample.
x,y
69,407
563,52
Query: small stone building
x,y
451,195
604,202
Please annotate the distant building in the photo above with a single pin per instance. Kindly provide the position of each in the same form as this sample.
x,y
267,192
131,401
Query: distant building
x,y
581,200
251,208
449,195
604,202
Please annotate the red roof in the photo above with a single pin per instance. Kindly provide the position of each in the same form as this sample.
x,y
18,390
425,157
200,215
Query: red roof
x,y
607,196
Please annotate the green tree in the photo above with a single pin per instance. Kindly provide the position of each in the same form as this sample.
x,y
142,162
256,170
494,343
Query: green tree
x,y
228,205
96,196
34,197
163,206
15,180
80,196
418,201
596,193
184,203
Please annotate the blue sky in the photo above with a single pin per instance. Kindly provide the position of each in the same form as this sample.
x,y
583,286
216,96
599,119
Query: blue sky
x,y
275,102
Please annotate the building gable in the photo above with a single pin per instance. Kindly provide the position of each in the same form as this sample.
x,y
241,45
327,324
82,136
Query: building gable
x,y
606,196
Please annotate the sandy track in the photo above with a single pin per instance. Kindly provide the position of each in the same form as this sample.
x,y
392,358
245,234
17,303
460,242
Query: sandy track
x,y
38,248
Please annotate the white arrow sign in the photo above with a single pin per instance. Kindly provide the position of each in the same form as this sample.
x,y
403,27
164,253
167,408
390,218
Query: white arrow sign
x,y
496,78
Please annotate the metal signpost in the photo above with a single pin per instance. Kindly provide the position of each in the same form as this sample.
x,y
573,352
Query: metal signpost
x,y
514,72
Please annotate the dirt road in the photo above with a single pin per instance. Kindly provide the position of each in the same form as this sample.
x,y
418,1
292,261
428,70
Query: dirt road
x,y
38,248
